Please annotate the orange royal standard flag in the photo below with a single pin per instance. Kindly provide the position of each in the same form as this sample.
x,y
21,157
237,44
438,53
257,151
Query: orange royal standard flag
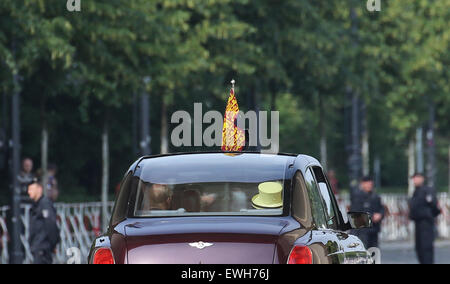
x,y
233,137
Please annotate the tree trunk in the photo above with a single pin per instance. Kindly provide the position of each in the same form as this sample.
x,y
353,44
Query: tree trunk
x,y
273,95
145,125
411,166
16,245
44,145
354,160
323,136
365,153
164,130
419,150
134,126
44,156
377,172
323,152
105,176
256,107
431,149
365,141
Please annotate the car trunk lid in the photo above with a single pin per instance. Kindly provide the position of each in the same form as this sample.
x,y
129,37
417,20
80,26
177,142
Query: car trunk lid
x,y
237,240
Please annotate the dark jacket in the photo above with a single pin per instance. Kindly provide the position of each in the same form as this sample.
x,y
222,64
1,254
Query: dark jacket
x,y
423,205
44,233
370,203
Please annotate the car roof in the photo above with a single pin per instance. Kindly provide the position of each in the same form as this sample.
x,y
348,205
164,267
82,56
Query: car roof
x,y
292,163
300,161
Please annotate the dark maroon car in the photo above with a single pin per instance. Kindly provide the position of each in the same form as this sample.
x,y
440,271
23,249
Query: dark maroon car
x,y
232,208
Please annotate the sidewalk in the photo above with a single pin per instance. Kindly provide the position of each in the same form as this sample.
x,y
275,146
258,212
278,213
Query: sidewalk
x,y
404,252
409,245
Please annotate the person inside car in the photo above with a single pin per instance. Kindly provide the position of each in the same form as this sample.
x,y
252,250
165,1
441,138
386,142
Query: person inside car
x,y
159,197
187,198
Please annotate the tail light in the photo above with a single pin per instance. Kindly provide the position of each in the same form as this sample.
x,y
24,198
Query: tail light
x,y
103,256
300,255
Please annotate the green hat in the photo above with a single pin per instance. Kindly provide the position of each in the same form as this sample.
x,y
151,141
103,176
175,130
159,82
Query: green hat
x,y
269,196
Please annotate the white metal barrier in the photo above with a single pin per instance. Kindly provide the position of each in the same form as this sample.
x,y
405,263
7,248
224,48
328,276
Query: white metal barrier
x,y
396,225
80,223
4,257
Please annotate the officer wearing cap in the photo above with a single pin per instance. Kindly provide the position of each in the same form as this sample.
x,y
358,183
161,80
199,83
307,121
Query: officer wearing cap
x,y
44,233
423,210
366,200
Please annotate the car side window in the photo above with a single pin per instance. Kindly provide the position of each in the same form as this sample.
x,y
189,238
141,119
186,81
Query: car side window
x,y
121,205
317,207
301,208
329,205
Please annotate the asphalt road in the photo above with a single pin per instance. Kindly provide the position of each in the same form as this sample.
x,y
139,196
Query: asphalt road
x,y
404,253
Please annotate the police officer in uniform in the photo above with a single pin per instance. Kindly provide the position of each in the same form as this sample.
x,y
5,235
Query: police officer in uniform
x,y
423,211
366,200
44,233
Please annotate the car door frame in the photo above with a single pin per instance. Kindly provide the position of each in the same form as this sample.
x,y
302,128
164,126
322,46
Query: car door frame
x,y
323,242
352,246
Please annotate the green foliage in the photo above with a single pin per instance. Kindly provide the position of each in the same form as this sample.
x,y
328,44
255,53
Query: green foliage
x,y
414,65
298,57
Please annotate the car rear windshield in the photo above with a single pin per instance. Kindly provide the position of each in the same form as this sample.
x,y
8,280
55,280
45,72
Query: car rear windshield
x,y
210,185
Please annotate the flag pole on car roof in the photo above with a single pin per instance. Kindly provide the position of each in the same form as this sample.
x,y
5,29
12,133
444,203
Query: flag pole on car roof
x,y
233,138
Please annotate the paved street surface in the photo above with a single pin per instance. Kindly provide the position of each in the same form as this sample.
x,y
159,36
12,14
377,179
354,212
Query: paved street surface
x,y
403,252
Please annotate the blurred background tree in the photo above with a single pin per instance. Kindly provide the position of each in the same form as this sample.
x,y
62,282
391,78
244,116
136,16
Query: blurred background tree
x,y
82,76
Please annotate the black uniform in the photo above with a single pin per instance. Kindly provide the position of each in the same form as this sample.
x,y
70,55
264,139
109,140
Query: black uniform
x,y
423,210
370,203
44,233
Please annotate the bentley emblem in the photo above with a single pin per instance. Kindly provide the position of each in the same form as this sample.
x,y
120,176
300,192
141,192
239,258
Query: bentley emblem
x,y
200,245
